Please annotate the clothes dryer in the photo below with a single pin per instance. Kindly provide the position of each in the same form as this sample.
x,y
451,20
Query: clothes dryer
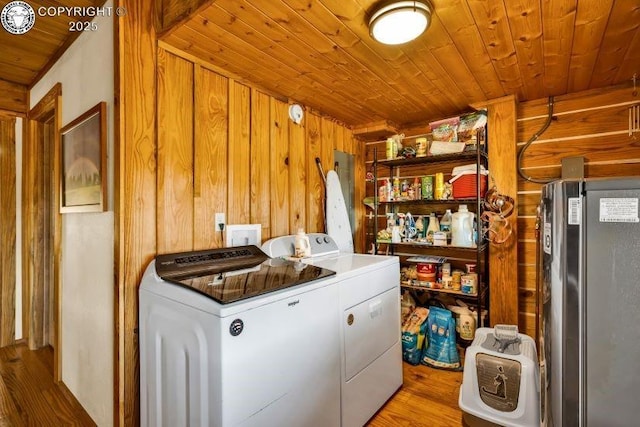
x,y
369,305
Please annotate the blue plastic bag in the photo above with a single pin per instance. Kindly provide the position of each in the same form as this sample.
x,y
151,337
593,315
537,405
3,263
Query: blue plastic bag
x,y
413,333
441,351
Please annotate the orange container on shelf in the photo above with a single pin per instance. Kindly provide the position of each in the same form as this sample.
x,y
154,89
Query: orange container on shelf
x,y
464,186
426,272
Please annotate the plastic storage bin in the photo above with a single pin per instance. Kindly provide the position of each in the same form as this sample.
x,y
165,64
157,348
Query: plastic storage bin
x,y
464,186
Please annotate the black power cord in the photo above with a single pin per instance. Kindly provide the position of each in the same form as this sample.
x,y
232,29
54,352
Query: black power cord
x,y
531,140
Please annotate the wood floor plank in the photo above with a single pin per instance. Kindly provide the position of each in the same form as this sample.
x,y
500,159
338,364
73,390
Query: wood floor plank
x,y
28,395
7,406
428,398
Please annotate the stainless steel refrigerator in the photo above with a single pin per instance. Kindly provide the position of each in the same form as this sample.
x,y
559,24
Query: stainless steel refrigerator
x,y
589,306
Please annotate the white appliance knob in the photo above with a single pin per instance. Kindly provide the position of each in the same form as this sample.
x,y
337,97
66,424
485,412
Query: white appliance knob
x,y
326,240
319,240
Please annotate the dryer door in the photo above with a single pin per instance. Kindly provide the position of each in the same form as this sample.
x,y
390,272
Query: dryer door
x,y
370,329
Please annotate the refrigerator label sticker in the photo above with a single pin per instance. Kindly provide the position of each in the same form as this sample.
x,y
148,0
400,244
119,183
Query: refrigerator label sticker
x,y
546,244
619,209
575,211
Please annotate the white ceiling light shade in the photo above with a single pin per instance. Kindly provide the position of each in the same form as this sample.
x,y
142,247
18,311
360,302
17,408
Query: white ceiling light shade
x,y
400,22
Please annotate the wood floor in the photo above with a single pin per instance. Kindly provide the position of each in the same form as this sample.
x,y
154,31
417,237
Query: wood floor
x,y
28,396
428,398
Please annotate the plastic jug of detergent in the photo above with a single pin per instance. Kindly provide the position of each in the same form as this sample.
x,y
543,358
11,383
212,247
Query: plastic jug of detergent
x,y
301,244
462,228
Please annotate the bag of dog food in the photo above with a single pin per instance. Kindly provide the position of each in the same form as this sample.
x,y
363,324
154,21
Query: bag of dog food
x,y
413,331
441,351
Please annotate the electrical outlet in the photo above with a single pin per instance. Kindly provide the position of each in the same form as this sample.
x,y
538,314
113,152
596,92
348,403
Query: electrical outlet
x,y
219,219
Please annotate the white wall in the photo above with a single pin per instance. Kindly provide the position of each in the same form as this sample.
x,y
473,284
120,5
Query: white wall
x,y
87,286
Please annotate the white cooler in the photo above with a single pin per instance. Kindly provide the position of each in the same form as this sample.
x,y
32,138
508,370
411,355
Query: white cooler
x,y
500,384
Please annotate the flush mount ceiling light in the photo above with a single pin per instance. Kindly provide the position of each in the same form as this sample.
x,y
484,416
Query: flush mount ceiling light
x,y
400,22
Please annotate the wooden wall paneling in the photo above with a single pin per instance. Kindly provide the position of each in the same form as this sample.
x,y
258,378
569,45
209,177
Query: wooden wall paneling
x,y
359,179
527,253
279,163
229,49
260,167
608,146
135,195
7,231
527,299
210,155
625,167
595,99
175,154
298,176
239,154
328,144
341,143
315,187
527,323
592,124
527,227
14,97
528,203
206,63
503,259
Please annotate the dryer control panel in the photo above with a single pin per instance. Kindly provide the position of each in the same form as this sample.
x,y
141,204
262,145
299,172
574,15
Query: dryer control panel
x,y
321,244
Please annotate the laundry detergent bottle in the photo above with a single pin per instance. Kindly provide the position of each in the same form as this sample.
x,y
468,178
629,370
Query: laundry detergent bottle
x,y
445,224
302,245
462,228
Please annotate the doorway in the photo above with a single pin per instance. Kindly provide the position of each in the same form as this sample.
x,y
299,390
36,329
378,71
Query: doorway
x,y
42,226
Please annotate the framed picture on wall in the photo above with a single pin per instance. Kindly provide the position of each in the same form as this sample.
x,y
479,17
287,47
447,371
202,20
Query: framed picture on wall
x,y
84,160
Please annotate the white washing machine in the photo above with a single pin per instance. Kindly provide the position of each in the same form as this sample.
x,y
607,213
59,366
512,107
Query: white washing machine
x,y
369,304
229,337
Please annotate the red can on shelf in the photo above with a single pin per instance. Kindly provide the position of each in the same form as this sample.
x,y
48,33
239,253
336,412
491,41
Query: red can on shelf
x,y
426,272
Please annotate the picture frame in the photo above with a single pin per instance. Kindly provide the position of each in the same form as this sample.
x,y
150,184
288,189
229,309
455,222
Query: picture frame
x,y
83,157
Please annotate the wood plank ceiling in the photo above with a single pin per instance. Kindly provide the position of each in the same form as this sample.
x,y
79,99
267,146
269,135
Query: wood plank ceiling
x,y
24,57
319,53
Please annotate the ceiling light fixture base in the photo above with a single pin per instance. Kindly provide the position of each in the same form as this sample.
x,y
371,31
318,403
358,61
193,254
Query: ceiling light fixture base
x,y
400,22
